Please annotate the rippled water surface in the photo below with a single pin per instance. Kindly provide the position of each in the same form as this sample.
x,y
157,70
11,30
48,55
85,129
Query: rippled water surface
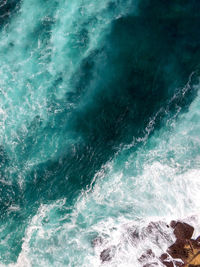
x,y
99,128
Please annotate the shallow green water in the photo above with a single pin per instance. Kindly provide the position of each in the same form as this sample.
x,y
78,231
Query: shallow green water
x,y
99,125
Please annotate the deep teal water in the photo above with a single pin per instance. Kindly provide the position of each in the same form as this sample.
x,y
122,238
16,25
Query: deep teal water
x,y
99,125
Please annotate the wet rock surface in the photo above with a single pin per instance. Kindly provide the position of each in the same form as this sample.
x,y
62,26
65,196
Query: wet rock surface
x,y
97,241
107,254
167,261
148,254
185,251
182,230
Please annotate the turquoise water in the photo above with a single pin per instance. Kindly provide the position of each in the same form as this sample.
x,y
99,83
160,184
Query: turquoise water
x,y
99,127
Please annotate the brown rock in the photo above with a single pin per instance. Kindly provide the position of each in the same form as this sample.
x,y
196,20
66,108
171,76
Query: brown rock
x,y
173,224
179,264
195,243
195,259
152,264
185,248
178,251
164,258
168,263
183,230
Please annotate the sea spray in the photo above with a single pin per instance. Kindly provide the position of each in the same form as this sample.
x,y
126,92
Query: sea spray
x,y
99,115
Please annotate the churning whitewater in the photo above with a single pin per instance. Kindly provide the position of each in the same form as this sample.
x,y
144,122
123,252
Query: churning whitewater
x,y
99,129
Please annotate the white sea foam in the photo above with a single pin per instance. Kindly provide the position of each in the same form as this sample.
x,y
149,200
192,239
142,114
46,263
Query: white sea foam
x,y
158,182
154,184
112,211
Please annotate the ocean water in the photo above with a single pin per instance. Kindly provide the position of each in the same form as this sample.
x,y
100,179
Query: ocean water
x,y
99,128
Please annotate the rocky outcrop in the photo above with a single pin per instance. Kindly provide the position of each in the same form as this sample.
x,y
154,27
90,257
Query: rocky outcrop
x,y
185,251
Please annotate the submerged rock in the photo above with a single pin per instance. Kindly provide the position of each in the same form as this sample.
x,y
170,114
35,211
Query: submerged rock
x,y
97,241
106,255
147,255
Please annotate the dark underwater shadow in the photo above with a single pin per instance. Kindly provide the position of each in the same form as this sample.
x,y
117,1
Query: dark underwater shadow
x,y
7,9
143,62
